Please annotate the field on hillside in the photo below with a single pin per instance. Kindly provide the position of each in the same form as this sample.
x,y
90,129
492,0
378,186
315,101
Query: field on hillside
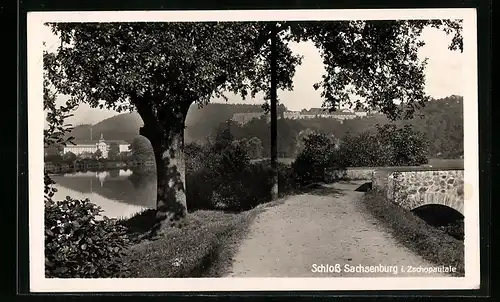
x,y
446,163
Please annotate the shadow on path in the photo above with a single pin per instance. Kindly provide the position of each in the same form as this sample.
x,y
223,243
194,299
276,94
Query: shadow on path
x,y
364,187
327,191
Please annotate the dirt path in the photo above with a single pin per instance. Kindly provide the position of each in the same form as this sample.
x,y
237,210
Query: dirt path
x,y
328,227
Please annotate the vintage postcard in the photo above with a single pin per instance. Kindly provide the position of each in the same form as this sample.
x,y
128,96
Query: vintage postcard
x,y
253,150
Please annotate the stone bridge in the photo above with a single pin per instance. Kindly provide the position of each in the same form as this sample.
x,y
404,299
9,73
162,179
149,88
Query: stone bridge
x,y
412,187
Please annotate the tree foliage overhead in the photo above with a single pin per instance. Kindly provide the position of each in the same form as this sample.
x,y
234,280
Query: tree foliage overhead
x,y
158,65
107,64
374,60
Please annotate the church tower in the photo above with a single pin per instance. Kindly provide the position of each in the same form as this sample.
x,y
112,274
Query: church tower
x,y
101,145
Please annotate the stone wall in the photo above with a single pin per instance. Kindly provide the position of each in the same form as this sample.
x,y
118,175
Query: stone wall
x,y
411,187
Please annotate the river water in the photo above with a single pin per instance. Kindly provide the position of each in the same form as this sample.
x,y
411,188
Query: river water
x,y
120,193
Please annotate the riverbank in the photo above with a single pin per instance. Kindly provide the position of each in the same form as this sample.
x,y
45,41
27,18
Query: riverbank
x,y
203,247
82,166
432,244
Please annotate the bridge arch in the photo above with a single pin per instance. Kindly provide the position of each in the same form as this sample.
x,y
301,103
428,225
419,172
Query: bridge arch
x,y
443,199
438,214
442,217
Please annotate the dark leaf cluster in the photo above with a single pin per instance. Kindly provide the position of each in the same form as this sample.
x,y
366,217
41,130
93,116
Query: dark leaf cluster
x,y
79,243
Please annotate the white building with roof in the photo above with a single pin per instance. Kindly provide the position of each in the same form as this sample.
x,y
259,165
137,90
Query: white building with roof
x,y
92,146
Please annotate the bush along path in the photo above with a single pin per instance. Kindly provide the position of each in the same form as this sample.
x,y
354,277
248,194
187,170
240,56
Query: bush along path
x,y
325,233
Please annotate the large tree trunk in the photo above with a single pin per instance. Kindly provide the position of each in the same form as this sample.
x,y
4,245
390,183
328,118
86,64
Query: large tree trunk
x,y
167,140
171,178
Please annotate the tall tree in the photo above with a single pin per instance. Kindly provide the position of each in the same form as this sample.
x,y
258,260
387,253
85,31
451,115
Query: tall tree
x,y
375,61
158,69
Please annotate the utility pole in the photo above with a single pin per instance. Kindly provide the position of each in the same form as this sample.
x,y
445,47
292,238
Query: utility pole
x,y
274,120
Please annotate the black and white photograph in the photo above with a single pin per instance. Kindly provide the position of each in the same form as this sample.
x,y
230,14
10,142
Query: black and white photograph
x,y
325,149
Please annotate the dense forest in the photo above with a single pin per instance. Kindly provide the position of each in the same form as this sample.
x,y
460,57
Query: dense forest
x,y
440,120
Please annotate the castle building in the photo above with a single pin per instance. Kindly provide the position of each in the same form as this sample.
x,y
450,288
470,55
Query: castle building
x,y
243,118
292,115
341,115
92,146
321,113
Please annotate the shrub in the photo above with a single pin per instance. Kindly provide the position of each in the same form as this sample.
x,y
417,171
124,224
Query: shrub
x,y
78,244
252,187
286,176
213,172
286,179
253,147
410,148
316,155
199,190
242,191
363,150
194,156
387,146
141,149
221,175
69,157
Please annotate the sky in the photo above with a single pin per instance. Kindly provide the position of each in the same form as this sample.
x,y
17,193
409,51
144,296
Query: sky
x,y
443,76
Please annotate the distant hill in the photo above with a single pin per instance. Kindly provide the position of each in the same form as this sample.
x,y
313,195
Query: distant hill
x,y
441,122
199,123
123,126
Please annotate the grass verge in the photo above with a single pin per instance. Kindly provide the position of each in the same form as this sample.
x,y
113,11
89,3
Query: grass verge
x,y
204,247
430,243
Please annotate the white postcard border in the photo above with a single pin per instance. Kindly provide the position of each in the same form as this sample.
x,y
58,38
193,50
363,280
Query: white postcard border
x,y
38,282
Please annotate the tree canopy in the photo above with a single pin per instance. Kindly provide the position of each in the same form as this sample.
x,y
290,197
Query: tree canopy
x,y
153,66
109,64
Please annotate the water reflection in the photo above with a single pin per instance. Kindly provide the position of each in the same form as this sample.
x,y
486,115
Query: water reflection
x,y
120,193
